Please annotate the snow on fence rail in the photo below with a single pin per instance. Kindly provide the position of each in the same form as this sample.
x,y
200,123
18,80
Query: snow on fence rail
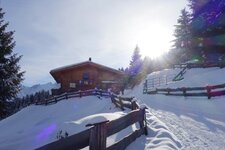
x,y
209,91
124,102
95,137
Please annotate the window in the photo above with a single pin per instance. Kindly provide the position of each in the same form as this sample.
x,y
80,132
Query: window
x,y
85,76
72,85
85,82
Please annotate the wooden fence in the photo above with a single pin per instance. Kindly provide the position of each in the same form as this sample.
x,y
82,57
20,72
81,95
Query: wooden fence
x,y
19,104
209,91
201,65
124,102
157,81
68,95
96,136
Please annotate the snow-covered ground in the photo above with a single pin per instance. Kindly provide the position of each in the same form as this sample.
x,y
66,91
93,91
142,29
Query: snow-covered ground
x,y
173,122
35,126
196,77
197,122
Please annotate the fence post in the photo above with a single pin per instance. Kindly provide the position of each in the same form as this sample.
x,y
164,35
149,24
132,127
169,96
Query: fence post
x,y
112,98
101,92
56,99
66,96
96,91
145,87
98,136
45,101
168,91
80,94
134,105
208,91
184,91
156,90
121,103
145,120
143,123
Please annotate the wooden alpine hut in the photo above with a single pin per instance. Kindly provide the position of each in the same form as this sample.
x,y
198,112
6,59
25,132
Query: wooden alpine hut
x,y
87,75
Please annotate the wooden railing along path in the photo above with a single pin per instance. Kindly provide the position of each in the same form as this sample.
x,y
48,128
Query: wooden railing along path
x,y
68,95
209,91
17,104
95,137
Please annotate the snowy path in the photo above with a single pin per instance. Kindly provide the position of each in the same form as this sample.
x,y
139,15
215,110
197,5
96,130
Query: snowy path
x,y
193,131
192,134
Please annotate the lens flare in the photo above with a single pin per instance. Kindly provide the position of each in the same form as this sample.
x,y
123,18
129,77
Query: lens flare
x,y
46,132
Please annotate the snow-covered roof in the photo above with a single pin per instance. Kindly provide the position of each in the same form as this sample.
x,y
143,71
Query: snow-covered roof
x,y
73,66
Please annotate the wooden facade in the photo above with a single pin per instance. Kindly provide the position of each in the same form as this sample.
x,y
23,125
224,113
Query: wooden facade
x,y
87,75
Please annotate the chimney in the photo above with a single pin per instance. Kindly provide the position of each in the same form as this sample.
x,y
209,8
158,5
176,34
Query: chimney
x,y
89,58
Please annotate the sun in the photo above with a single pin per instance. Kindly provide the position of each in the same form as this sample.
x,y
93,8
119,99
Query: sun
x,y
154,40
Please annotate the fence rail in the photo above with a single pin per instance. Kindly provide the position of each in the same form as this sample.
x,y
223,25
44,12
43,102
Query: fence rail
x,y
220,64
68,95
95,137
20,104
157,81
124,102
209,91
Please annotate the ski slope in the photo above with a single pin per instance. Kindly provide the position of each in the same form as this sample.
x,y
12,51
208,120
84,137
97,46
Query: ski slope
x,y
197,122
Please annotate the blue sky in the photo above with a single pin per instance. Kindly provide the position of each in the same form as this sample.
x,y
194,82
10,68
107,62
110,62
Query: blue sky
x,y
54,33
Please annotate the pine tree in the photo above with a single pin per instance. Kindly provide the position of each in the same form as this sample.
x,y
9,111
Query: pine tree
x,y
207,8
136,62
196,6
207,23
135,68
10,75
182,43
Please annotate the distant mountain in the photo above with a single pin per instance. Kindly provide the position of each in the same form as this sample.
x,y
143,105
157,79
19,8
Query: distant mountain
x,y
26,90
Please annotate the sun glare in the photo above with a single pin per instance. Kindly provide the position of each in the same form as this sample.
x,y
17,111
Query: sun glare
x,y
154,41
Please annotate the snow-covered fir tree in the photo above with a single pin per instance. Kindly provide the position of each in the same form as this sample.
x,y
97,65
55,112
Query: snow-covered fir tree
x,y
136,62
10,74
182,42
